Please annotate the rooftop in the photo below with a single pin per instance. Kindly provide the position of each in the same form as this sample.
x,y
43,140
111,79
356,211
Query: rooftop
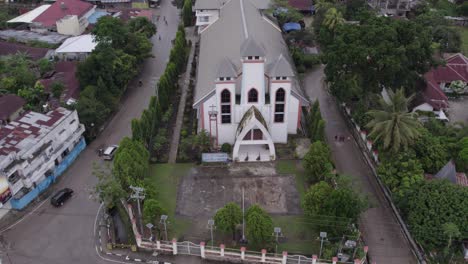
x,y
65,74
29,16
301,5
239,20
217,4
10,104
24,132
9,48
78,44
60,9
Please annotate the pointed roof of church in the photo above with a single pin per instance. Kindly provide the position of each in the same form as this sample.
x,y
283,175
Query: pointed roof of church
x,y
251,48
226,68
253,112
280,67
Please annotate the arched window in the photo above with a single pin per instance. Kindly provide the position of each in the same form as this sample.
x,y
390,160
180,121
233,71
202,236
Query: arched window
x,y
225,107
253,96
280,105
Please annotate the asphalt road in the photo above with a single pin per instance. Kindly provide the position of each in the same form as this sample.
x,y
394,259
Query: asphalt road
x,y
66,235
381,232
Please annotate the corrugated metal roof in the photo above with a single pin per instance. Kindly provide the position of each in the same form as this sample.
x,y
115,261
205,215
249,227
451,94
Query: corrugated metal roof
x,y
79,44
29,16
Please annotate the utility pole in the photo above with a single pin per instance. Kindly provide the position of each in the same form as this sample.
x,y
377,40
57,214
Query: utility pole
x,y
138,194
211,224
163,221
323,236
243,218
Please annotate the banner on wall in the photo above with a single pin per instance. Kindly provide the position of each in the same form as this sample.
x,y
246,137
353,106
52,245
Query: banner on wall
x,y
5,193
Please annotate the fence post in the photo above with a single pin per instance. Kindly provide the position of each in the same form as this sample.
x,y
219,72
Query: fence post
x,y
334,260
285,257
314,259
202,250
222,250
158,244
174,246
242,253
263,255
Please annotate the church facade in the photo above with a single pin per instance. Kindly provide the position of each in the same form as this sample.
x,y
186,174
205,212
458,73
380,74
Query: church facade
x,y
247,94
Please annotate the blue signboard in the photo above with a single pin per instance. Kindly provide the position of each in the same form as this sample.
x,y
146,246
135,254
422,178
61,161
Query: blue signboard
x,y
215,157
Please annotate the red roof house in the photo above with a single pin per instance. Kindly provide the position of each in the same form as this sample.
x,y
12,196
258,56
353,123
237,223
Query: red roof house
x,y
456,69
65,73
62,8
301,5
10,107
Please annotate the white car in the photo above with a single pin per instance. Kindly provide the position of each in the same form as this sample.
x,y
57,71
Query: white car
x,y
109,152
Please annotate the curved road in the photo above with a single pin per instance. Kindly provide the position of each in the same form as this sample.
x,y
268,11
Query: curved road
x,y
66,235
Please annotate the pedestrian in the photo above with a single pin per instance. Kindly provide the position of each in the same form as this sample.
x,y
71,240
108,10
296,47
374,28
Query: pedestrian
x,y
159,37
165,21
349,138
336,137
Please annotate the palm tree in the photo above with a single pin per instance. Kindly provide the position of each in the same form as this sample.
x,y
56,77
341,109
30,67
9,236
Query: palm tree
x,y
333,18
393,125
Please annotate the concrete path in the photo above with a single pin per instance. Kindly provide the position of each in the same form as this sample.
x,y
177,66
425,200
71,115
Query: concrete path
x,y
381,231
174,146
66,235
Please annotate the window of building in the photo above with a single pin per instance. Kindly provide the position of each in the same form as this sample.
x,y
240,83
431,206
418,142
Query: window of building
x,y
204,18
253,96
284,78
221,78
73,121
280,105
278,78
249,57
257,57
228,78
225,107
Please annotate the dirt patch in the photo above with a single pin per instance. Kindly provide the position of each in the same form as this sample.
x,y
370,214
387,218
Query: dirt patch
x,y
207,189
458,110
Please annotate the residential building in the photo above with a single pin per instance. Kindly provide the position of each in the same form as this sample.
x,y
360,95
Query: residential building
x,y
246,94
449,172
207,11
28,17
393,7
76,48
11,106
35,149
67,17
10,48
64,73
306,6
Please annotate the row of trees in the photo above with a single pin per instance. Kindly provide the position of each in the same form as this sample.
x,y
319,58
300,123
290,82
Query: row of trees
x,y
105,74
151,127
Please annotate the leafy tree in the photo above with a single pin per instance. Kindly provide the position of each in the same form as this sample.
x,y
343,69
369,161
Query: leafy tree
x,y
187,13
392,125
431,152
57,89
228,217
130,163
462,157
142,25
34,97
315,123
45,65
317,162
259,226
108,189
91,111
448,38
463,9
202,142
401,173
333,19
152,211
451,231
139,46
315,197
110,30
432,204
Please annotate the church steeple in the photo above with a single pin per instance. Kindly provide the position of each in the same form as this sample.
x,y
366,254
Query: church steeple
x,y
253,72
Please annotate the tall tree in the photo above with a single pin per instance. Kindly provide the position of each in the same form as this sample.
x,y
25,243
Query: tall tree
x,y
142,25
317,162
187,13
130,163
152,211
110,30
259,226
228,217
333,19
108,189
392,125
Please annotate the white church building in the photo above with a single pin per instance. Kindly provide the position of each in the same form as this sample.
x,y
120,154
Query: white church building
x,y
246,92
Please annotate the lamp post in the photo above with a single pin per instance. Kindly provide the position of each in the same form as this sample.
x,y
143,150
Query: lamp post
x,y
150,227
277,232
163,221
323,236
211,223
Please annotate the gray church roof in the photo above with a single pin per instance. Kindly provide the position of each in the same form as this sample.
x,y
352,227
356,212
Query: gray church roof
x,y
280,67
251,48
239,20
209,4
448,172
226,69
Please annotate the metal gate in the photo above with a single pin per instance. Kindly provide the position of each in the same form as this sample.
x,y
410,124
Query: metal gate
x,y
297,259
188,248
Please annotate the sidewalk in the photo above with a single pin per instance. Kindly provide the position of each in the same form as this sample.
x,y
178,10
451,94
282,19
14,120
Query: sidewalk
x,y
379,227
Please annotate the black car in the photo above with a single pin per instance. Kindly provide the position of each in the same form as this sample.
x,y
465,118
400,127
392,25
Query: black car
x,y
61,196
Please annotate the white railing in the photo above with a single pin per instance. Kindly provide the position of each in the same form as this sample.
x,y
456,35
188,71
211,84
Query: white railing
x,y
225,254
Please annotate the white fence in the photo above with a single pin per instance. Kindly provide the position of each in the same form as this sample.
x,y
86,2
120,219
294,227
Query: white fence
x,y
225,254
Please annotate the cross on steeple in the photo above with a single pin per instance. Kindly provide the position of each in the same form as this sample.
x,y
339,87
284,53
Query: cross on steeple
x,y
213,110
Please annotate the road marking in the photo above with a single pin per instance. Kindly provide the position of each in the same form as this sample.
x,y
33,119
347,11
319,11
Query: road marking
x,y
108,253
137,260
119,255
21,220
127,258
100,248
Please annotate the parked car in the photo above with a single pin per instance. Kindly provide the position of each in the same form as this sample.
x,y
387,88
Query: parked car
x,y
61,196
110,152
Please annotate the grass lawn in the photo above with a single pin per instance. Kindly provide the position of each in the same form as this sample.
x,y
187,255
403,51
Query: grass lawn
x,y
299,233
464,36
166,177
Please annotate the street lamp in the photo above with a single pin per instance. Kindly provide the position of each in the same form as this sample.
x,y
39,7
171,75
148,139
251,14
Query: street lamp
x,y
277,233
323,236
210,226
163,221
150,227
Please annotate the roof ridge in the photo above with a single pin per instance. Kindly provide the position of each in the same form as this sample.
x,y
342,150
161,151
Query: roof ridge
x,y
244,23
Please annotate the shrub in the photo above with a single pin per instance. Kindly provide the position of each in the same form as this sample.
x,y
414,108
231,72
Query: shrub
x,y
226,147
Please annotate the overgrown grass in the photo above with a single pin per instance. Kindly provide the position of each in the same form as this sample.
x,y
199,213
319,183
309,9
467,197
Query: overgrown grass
x,y
167,177
294,167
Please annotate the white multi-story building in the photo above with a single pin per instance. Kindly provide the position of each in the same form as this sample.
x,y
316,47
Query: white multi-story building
x,y
246,93
34,145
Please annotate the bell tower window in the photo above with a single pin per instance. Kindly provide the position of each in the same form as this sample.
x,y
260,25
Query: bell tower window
x,y
253,96
280,104
225,107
